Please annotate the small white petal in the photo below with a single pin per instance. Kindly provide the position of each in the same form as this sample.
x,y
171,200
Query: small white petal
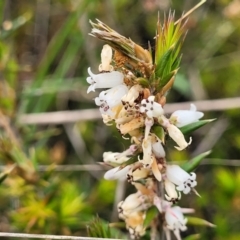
x,y
185,117
117,173
104,80
184,181
110,98
176,174
151,108
175,220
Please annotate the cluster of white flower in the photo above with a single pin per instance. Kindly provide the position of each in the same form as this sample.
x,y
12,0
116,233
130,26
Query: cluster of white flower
x,y
135,112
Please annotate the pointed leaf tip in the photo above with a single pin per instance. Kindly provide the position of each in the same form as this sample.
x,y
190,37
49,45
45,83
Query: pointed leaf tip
x,y
193,163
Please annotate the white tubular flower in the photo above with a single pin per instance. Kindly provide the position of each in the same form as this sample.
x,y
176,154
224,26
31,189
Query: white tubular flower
x,y
106,58
110,98
178,137
104,80
147,152
151,108
119,158
181,118
175,220
172,195
183,180
132,95
133,203
114,157
117,173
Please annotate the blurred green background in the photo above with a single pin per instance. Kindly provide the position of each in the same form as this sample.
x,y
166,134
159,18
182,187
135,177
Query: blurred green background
x,y
45,51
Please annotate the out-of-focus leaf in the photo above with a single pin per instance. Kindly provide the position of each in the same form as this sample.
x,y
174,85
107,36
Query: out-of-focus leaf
x,y
117,225
65,32
5,173
226,180
199,222
11,26
193,163
194,126
151,214
182,85
53,86
143,82
192,237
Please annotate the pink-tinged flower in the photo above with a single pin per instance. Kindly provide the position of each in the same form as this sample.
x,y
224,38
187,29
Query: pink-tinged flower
x,y
175,220
104,80
172,195
184,181
110,98
117,173
151,108
181,118
106,59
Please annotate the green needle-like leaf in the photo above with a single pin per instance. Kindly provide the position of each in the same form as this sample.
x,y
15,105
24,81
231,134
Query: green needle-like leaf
x,y
151,214
193,163
194,126
199,222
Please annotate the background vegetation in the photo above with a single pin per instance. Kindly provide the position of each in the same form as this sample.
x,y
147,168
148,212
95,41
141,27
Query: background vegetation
x,y
45,51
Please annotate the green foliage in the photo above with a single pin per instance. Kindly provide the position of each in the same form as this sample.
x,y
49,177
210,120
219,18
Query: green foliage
x,y
36,77
194,126
99,228
150,215
192,164
168,44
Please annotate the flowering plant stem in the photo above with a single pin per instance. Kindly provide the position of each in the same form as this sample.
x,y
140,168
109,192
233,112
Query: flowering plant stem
x,y
137,83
